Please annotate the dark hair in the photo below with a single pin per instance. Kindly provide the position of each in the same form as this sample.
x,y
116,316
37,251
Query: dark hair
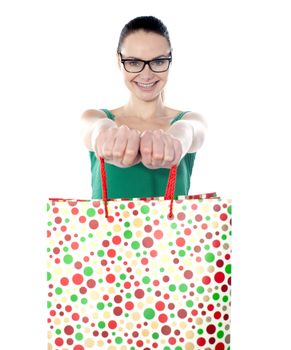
x,y
146,23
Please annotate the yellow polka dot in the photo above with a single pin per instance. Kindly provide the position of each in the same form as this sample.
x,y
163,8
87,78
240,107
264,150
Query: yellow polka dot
x,y
137,222
189,334
139,234
204,208
145,332
214,224
154,325
94,295
111,290
199,269
117,228
64,299
199,320
117,268
87,330
177,278
129,325
150,299
106,314
57,321
49,334
128,254
125,214
189,346
135,315
100,342
183,325
89,343
49,346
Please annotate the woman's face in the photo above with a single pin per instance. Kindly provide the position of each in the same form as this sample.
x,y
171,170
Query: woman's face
x,y
146,85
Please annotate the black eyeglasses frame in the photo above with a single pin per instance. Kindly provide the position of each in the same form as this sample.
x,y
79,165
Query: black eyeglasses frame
x,y
145,62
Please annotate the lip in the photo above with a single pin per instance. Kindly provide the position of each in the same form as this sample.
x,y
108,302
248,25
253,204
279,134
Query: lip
x,y
146,88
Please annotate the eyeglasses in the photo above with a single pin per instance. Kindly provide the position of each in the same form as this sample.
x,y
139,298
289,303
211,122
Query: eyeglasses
x,y
157,65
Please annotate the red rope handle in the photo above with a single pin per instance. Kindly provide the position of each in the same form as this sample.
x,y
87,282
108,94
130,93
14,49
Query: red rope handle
x,y
170,189
104,185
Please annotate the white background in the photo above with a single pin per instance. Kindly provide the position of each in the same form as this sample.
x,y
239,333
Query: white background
x,y
231,63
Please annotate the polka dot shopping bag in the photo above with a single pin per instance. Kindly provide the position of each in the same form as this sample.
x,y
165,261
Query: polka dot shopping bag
x,y
139,273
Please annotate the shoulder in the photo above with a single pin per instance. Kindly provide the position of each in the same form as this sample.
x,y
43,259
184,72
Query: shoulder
x,y
92,113
193,116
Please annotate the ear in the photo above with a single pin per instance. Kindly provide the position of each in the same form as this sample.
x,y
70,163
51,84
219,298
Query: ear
x,y
118,60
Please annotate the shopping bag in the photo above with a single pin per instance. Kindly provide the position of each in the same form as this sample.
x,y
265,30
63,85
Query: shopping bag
x,y
139,273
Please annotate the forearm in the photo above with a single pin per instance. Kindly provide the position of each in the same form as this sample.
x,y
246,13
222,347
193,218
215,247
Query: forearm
x,y
191,134
91,125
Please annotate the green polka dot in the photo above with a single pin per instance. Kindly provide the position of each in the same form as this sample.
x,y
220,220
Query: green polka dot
x,y
127,234
189,222
162,269
135,245
149,313
189,303
122,276
220,334
49,223
100,253
48,207
182,253
225,298
228,268
200,289
220,324
167,348
209,257
100,306
148,218
146,280
48,276
128,295
109,234
119,258
110,304
183,287
122,206
59,290
49,304
229,209
126,224
155,335
200,331
215,296
83,239
223,237
145,209
58,331
91,212
88,271
68,259
118,340
206,247
173,225
65,249
101,324
79,336
90,235
84,301
178,348
207,218
74,297
172,288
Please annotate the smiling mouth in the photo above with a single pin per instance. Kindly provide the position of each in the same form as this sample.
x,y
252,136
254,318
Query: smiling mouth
x,y
146,85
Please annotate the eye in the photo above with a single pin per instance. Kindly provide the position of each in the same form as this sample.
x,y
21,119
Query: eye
x,y
134,63
159,62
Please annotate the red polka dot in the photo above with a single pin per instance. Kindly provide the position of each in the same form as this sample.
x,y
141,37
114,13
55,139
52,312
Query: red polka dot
x,y
116,240
59,341
75,211
75,245
219,346
93,224
110,278
78,278
211,329
201,341
158,234
111,253
75,316
206,280
180,242
223,217
112,324
64,281
69,330
160,306
78,347
82,219
219,277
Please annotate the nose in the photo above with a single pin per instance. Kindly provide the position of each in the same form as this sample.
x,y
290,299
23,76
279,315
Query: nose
x,y
147,70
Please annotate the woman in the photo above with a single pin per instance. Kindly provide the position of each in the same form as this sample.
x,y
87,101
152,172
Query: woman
x,y
141,140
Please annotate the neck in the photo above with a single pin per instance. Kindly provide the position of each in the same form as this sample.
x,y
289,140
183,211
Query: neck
x,y
144,109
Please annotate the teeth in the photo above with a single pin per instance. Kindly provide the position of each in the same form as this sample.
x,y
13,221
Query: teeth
x,y
145,85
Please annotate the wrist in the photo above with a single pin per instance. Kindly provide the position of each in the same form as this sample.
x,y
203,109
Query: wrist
x,y
98,126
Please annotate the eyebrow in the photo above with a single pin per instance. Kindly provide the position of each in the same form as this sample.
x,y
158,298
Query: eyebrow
x,y
136,58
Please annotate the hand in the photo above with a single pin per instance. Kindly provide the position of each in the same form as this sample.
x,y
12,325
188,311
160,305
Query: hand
x,y
159,149
119,146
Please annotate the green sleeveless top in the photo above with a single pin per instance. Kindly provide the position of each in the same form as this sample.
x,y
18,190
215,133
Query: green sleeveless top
x,y
138,180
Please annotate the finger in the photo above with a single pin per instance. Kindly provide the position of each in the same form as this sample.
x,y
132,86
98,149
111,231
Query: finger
x,y
158,148
178,152
169,151
145,147
108,143
120,143
132,147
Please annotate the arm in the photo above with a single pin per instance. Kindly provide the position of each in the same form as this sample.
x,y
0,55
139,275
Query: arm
x,y
190,131
92,122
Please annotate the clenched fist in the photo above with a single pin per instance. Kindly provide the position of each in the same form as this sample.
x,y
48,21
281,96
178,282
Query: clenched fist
x,y
119,146
159,149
